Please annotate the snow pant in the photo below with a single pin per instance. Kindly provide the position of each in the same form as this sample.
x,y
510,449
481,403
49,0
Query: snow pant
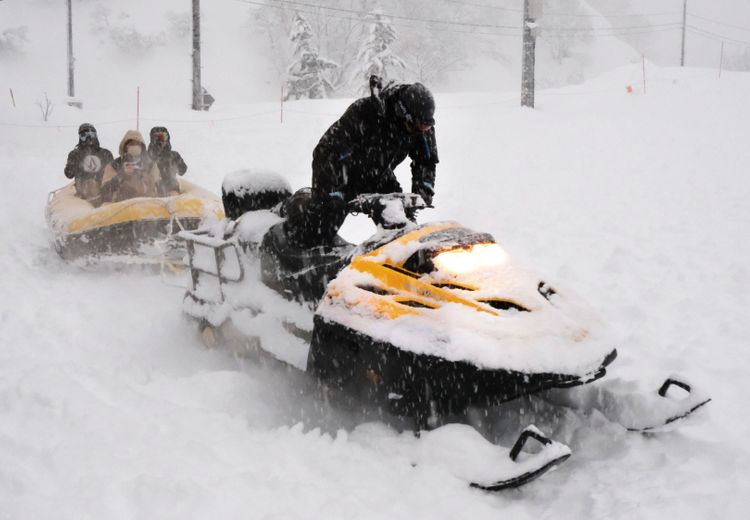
x,y
313,219
315,215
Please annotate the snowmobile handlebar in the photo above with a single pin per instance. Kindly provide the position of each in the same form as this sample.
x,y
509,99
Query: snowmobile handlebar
x,y
389,210
368,202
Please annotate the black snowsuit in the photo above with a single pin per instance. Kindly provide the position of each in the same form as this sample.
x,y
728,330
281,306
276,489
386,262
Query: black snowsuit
x,y
169,161
356,155
85,164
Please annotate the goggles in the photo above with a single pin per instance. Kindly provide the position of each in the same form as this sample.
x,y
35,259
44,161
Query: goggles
x,y
87,133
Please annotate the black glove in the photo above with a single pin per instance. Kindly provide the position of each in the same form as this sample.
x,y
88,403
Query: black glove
x,y
425,190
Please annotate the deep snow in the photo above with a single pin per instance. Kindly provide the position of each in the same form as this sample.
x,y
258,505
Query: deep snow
x,y
110,407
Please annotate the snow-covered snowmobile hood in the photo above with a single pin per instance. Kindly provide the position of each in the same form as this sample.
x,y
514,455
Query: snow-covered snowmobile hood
x,y
447,291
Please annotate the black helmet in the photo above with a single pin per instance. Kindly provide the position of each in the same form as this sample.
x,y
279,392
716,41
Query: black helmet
x,y
159,133
87,134
159,141
416,104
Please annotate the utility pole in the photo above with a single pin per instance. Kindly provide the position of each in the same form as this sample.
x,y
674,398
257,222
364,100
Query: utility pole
x,y
532,9
684,23
197,90
71,86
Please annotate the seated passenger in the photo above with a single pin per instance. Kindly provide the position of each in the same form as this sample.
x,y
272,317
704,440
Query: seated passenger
x,y
133,174
169,161
86,164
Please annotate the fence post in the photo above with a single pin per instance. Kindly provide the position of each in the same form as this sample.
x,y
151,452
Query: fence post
x,y
721,59
138,108
12,97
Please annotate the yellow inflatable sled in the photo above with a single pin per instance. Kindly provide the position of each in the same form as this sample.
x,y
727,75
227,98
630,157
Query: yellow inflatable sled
x,y
141,227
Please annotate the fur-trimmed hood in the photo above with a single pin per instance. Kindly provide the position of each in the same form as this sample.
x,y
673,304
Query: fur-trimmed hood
x,y
131,135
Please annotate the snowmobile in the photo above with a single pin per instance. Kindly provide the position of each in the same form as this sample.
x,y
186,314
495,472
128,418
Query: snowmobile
x,y
419,321
138,230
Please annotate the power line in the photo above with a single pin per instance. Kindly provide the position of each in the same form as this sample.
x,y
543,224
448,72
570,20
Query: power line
x,y
612,28
484,6
602,31
576,15
719,23
516,34
718,37
397,17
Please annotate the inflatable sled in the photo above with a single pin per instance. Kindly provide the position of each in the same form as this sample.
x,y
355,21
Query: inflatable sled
x,y
140,228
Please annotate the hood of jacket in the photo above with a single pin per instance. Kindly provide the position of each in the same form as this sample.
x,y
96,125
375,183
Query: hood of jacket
x,y
131,135
155,147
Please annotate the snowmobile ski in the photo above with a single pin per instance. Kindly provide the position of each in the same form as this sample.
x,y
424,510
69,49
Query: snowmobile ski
x,y
462,452
635,410
552,454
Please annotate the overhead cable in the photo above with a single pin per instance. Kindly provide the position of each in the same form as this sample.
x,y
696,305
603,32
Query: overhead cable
x,y
515,30
576,15
715,36
718,22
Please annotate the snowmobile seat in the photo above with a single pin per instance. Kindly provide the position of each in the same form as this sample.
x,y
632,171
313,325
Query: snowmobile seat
x,y
300,274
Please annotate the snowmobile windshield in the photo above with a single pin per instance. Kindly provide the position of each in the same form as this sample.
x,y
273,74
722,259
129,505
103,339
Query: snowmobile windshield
x,y
456,250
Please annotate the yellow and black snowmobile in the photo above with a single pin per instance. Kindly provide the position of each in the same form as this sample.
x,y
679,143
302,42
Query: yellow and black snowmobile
x,y
137,230
420,321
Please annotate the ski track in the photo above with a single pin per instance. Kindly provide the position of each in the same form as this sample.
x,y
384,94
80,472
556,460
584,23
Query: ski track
x,y
109,406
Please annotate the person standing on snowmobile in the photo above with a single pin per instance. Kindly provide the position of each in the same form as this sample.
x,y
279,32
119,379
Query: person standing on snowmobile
x,y
86,163
358,153
169,161
133,174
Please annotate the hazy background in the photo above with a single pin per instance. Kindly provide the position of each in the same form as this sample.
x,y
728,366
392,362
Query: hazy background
x,y
122,44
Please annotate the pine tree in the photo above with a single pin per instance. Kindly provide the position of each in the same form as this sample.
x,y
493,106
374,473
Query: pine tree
x,y
375,56
306,75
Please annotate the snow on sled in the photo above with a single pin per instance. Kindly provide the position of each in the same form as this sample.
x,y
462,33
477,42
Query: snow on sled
x,y
138,229
423,322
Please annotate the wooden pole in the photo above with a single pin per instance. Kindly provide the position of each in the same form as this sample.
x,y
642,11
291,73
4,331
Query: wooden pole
x,y
281,106
12,97
71,86
528,56
684,23
197,91
721,59
643,63
138,108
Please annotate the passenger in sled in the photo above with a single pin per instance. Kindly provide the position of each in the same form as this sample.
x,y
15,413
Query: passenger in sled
x,y
169,161
132,174
86,164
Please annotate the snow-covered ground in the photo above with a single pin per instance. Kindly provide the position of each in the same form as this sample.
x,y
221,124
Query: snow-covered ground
x,y
111,408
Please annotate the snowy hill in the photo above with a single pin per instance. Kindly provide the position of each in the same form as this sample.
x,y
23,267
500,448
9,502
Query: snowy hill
x,y
111,408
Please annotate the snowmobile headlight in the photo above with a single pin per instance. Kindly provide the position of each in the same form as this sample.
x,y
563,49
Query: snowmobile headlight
x,y
465,260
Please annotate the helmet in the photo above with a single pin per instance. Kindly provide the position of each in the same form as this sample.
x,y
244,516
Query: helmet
x,y
87,134
416,104
159,133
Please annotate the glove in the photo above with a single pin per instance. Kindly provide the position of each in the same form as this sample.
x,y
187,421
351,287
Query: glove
x,y
425,190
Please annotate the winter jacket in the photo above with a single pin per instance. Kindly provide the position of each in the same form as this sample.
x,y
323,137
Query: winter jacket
x,y
358,153
170,164
144,182
86,163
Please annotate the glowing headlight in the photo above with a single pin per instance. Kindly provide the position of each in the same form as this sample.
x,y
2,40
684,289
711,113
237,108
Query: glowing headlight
x,y
458,261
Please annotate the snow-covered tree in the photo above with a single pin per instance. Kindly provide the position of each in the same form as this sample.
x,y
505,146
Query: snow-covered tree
x,y
561,30
737,59
124,32
12,41
376,56
306,76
